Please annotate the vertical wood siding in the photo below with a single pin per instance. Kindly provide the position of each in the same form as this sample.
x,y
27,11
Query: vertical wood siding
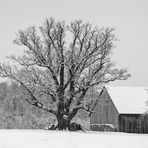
x,y
105,111
132,123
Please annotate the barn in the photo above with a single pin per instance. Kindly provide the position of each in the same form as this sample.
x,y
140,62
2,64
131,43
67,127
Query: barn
x,y
121,109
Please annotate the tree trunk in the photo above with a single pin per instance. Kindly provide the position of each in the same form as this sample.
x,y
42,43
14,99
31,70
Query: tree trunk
x,y
63,123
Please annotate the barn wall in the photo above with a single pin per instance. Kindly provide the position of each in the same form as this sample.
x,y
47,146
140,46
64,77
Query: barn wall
x,y
132,123
105,111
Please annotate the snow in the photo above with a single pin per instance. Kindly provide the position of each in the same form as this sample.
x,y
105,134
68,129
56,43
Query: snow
x,y
56,139
130,100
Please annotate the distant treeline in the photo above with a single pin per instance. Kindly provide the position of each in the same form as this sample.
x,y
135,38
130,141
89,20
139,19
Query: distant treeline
x,y
16,113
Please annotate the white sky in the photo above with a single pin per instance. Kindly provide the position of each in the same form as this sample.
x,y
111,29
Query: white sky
x,y
129,17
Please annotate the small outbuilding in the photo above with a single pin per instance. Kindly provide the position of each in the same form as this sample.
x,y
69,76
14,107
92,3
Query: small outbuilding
x,y
121,109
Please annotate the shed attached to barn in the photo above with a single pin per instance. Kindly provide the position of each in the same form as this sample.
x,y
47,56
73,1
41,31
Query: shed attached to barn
x,y
122,108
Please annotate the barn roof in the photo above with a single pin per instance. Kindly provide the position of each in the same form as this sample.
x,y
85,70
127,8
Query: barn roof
x,y
129,100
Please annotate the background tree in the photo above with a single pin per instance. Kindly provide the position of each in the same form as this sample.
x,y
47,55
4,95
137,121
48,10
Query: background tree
x,y
62,63
16,112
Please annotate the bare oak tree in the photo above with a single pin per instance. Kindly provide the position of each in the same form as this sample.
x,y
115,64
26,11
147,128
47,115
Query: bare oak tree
x,y
63,62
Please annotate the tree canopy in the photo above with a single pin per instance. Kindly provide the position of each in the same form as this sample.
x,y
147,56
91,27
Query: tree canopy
x,y
62,63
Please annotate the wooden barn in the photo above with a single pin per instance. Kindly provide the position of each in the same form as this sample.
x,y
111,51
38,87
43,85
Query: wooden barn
x,y
121,109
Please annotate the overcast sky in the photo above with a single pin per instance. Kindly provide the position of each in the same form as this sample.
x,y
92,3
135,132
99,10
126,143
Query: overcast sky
x,y
128,17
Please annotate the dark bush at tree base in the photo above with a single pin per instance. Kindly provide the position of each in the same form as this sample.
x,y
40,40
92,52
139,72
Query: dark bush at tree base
x,y
75,127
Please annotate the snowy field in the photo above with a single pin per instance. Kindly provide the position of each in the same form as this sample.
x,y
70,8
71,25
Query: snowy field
x,y
54,139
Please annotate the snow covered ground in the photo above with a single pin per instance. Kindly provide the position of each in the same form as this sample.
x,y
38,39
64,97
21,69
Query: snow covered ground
x,y
54,139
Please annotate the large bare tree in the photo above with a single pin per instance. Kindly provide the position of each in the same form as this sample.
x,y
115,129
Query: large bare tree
x,y
63,62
